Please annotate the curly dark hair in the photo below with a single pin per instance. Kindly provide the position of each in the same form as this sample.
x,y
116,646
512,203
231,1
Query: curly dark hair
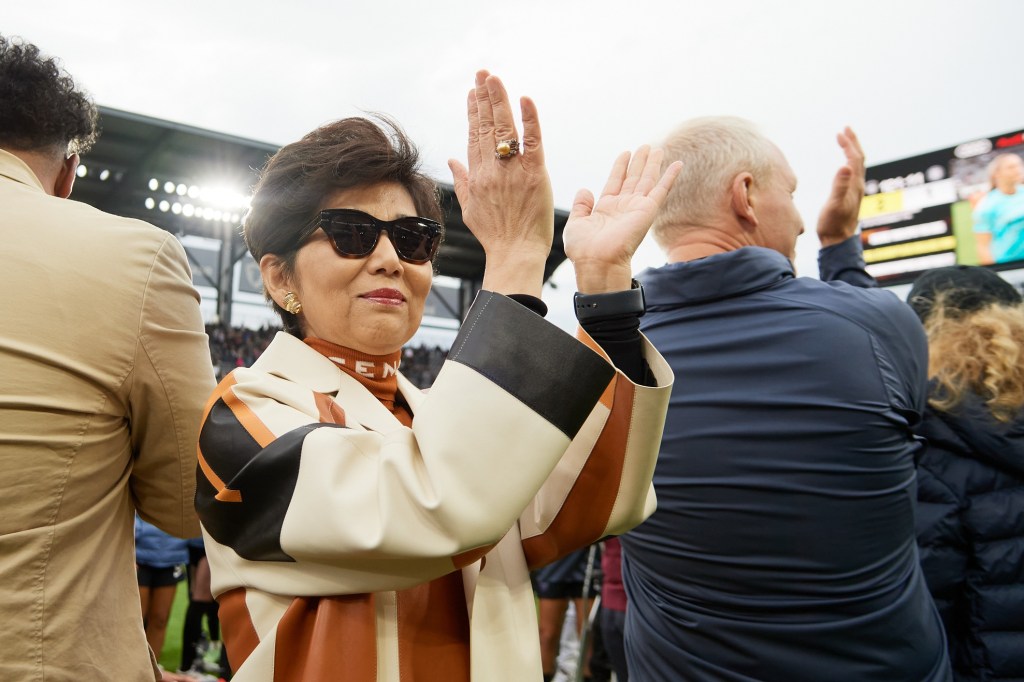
x,y
40,107
349,153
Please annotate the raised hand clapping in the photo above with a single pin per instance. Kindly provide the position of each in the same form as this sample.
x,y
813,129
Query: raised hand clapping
x,y
601,237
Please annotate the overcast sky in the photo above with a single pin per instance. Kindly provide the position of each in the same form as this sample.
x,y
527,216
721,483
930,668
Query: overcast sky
x,y
909,75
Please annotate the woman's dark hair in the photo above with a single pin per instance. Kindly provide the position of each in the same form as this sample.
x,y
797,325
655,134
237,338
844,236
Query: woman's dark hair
x,y
352,152
40,107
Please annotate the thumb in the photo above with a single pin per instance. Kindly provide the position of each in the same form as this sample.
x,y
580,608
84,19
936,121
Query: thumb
x,y
460,177
582,204
842,181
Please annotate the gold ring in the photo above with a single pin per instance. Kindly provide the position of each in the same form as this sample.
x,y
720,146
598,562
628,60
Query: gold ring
x,y
506,149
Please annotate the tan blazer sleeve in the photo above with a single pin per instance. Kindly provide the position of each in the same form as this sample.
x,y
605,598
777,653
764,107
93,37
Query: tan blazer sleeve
x,y
170,381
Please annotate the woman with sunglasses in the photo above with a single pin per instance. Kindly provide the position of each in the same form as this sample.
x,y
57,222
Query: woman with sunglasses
x,y
358,529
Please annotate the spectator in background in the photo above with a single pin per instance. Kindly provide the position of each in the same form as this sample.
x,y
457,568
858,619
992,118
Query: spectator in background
x,y
421,364
556,585
971,474
160,565
613,608
200,653
232,347
999,218
105,373
783,545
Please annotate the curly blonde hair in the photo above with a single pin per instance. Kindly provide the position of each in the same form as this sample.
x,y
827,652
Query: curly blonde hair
x,y
980,352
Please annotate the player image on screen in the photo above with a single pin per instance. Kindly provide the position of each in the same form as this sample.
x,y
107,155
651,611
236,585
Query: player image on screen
x,y
961,205
999,216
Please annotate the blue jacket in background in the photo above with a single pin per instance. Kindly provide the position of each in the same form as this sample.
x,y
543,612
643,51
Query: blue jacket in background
x,y
971,533
155,548
783,545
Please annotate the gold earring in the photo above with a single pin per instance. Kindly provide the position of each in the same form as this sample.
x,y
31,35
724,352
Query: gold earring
x,y
292,304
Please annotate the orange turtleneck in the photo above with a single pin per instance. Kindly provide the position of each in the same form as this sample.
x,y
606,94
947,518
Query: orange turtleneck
x,y
378,374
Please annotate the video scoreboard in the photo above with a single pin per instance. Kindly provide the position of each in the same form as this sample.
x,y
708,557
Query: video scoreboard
x,y
918,213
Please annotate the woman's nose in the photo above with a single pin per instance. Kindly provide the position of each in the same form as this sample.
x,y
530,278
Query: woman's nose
x,y
384,256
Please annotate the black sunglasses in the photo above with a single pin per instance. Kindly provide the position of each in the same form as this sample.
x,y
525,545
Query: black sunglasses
x,y
354,234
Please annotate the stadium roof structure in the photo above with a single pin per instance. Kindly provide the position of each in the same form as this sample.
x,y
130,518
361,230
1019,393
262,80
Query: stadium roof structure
x,y
192,181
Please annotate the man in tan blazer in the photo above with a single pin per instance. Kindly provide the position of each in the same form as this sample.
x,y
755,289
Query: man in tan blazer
x,y
104,370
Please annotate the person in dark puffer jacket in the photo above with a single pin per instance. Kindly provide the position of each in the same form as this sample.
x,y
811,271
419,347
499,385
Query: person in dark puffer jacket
x,y
970,518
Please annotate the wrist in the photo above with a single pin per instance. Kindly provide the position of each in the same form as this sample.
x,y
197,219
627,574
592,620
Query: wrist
x,y
615,304
513,273
602,278
833,231
828,240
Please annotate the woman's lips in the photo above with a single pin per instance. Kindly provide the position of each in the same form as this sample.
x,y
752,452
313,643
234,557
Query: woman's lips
x,y
384,296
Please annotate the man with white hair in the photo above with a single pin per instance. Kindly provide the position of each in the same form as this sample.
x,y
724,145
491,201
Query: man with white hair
x,y
783,545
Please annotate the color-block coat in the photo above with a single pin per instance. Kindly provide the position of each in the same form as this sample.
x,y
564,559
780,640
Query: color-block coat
x,y
345,545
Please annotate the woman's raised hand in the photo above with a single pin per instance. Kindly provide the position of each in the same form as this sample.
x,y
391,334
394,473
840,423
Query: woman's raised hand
x,y
601,238
506,202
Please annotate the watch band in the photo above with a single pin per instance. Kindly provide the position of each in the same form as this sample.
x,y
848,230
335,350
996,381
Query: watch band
x,y
613,304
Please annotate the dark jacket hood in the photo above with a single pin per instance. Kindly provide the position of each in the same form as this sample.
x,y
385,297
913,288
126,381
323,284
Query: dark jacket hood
x,y
993,442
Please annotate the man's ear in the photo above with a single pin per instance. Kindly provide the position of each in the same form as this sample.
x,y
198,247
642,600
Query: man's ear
x,y
66,177
743,200
275,278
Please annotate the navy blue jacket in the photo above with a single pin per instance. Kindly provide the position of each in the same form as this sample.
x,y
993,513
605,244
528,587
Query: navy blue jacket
x,y
971,534
155,548
783,546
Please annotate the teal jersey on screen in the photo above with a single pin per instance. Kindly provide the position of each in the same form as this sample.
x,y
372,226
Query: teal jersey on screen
x,y
1002,216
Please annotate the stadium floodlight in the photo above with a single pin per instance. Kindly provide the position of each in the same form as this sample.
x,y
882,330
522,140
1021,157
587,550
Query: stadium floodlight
x,y
150,203
223,197
82,171
214,201
165,206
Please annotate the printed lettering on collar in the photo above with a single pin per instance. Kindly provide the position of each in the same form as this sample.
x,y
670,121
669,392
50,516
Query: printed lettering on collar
x,y
370,369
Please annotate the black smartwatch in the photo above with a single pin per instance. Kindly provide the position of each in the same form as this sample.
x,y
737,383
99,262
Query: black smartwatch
x,y
613,304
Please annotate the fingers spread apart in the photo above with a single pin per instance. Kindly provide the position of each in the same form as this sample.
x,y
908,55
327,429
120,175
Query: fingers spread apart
x,y
851,148
640,173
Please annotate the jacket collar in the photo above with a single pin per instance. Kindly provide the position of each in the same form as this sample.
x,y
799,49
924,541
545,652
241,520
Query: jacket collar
x,y
289,358
717,277
13,168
